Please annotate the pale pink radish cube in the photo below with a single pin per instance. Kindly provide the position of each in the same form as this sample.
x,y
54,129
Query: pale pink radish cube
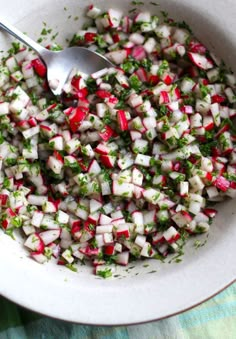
x,y
135,100
215,111
28,229
39,257
101,229
50,236
138,192
37,218
122,189
150,45
137,219
182,218
194,207
108,238
35,243
94,205
123,230
62,217
49,207
183,188
137,38
118,221
4,108
29,133
122,258
57,143
106,189
142,160
200,61
37,200
100,240
196,183
118,247
117,56
140,240
157,238
54,164
146,250
115,16
11,64
81,213
67,255
93,12
48,222
171,235
152,195
143,16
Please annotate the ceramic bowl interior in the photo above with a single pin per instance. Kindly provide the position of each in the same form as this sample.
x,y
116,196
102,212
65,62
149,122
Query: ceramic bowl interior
x,y
145,290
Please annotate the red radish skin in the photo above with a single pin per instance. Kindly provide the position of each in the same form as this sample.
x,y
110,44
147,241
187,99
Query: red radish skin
x,y
122,120
39,67
75,118
106,133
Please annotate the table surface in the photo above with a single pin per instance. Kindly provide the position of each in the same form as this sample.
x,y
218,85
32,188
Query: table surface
x,y
215,318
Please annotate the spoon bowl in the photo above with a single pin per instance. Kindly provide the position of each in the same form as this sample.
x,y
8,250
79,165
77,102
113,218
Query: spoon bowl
x,y
60,63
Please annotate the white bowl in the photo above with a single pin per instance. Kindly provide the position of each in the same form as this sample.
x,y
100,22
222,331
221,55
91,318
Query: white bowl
x,y
136,296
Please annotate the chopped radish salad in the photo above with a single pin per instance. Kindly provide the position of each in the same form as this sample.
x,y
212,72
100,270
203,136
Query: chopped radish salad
x,y
133,170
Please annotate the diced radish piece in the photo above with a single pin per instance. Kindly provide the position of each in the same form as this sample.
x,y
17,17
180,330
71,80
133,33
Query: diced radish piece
x,y
94,205
34,243
122,120
222,184
184,188
50,236
137,218
142,160
122,258
39,67
123,231
62,217
200,61
39,257
108,160
137,177
196,183
114,17
182,218
75,118
210,212
152,195
140,240
171,235
93,12
138,53
108,239
117,56
215,111
122,189
67,255
146,250
37,200
104,229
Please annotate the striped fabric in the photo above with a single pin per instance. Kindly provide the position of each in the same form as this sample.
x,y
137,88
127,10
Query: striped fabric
x,y
214,319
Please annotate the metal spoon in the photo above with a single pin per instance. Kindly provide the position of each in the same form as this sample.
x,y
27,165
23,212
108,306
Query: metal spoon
x,y
60,63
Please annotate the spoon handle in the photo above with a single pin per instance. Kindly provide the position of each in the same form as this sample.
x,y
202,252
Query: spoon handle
x,y
22,37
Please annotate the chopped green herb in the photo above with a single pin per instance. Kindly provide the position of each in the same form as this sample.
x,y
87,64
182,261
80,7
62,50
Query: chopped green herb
x,y
105,273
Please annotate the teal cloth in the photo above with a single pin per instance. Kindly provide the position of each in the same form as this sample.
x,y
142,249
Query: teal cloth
x,y
214,319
